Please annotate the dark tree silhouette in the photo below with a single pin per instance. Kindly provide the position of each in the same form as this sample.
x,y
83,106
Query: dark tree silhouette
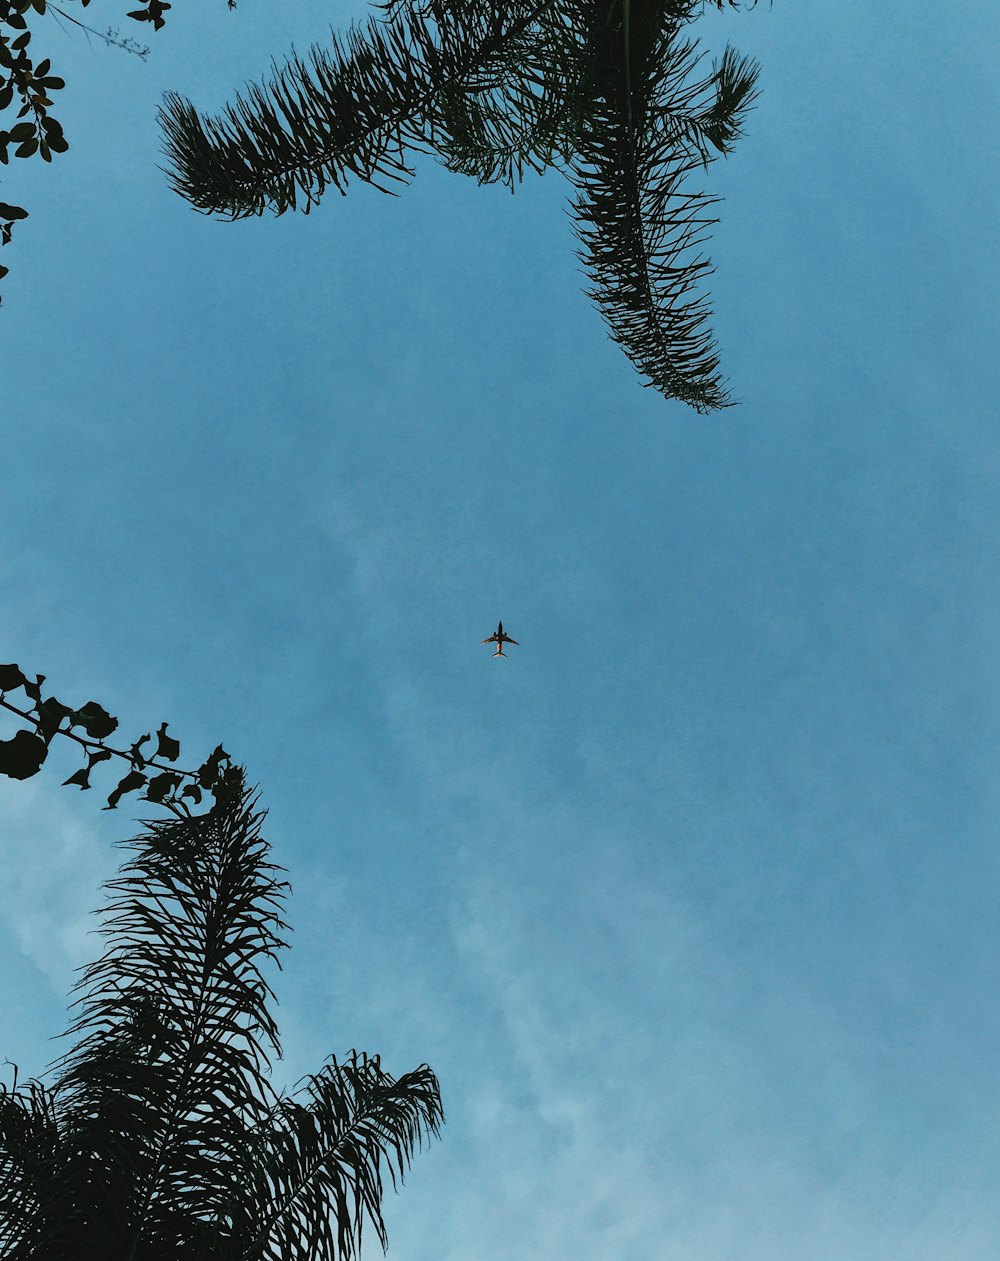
x,y
160,1136
608,91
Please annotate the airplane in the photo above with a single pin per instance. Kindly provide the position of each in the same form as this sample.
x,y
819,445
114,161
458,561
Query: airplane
x,y
499,638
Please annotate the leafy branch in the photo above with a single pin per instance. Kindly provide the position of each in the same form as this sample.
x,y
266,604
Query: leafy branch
x,y
22,756
111,37
28,85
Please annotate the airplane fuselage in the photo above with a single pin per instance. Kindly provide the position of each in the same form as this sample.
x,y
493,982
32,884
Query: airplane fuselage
x,y
499,638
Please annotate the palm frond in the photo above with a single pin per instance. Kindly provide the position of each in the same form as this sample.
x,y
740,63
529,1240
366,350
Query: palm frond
x,y
162,1137
731,90
640,227
324,1151
496,135
169,1075
359,109
523,113
603,89
29,1137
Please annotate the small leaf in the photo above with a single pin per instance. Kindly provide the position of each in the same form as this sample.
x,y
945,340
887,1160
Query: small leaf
x,y
27,149
209,771
99,755
22,757
167,746
81,777
50,712
10,213
11,677
34,690
132,781
22,131
192,791
95,720
160,785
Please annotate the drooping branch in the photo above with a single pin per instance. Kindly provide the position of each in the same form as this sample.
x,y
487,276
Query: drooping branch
x,y
640,227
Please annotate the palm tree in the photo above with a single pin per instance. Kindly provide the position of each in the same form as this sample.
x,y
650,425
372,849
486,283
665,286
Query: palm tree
x,y
608,91
161,1137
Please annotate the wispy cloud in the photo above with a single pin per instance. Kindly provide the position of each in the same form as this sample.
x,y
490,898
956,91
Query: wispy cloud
x,y
54,860
603,1128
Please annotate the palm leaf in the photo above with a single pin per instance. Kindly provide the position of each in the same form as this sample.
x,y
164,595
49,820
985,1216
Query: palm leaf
x,y
640,227
162,1137
522,114
29,1136
322,1158
170,1071
603,89
356,110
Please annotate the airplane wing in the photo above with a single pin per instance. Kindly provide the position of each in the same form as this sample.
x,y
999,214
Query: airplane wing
x,y
507,640
492,639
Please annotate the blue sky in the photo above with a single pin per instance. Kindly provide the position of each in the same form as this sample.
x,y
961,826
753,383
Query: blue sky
x,y
690,903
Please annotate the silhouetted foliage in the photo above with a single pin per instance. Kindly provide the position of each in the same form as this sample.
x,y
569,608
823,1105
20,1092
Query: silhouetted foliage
x,y
22,756
161,1136
27,86
608,91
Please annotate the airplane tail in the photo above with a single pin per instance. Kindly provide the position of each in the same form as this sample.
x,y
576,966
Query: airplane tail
x,y
499,652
